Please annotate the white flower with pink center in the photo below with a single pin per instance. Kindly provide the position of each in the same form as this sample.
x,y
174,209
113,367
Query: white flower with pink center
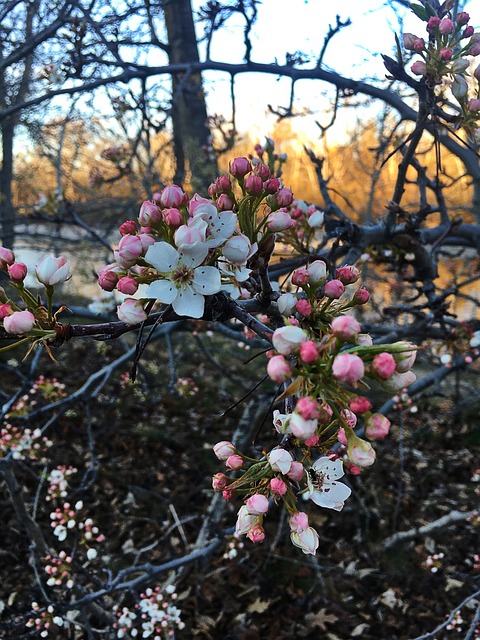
x,y
322,488
184,282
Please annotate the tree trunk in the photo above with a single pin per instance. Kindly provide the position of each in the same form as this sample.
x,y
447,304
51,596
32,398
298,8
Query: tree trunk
x,y
189,112
7,210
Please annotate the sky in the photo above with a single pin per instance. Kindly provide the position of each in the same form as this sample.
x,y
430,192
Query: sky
x,y
300,25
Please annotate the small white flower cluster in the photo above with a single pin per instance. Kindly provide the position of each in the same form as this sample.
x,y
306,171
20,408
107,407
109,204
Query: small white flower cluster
x,y
22,444
58,483
44,621
157,612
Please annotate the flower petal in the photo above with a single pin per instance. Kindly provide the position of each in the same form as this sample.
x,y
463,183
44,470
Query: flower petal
x,y
332,469
331,496
193,254
206,280
189,303
162,290
162,256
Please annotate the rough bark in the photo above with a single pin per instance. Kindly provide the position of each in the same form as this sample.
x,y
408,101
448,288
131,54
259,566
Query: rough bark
x,y
189,112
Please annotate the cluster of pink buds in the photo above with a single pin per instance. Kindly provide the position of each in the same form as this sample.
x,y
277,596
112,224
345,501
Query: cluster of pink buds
x,y
321,358
59,570
49,272
64,519
452,42
45,622
43,389
185,248
156,615
23,443
58,482
434,562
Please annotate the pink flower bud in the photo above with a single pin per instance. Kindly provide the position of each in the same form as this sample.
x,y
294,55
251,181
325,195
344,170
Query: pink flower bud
x,y
128,227
262,171
446,26
360,452
342,436
325,413
245,521
361,296
51,271
298,522
147,240
308,352
224,449
223,184
383,365
348,368
7,257
173,217
278,369
129,249
257,504
419,45
419,68
272,185
312,441
349,417
345,328
474,50
212,191
19,322
317,272
224,202
432,24
468,32
234,462
278,487
462,18
280,221
108,276
364,340
131,311
301,428
296,471
334,289
127,285
409,40
445,54
284,197
253,185
172,196
286,340
239,167
5,310
348,274
473,104
307,407
300,277
219,482
377,426
149,215
256,534
476,73
404,359
227,494
304,308
359,405
307,540
17,271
